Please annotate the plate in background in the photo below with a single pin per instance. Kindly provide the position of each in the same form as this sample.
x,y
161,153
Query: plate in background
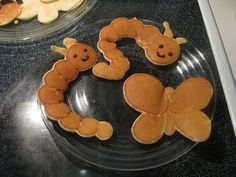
x,y
30,30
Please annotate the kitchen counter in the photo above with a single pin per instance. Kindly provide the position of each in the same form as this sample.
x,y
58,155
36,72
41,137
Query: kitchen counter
x,y
28,149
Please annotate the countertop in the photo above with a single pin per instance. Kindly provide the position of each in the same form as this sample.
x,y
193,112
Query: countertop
x,y
226,10
28,149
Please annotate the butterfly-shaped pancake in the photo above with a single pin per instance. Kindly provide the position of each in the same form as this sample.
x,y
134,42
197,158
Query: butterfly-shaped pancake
x,y
164,110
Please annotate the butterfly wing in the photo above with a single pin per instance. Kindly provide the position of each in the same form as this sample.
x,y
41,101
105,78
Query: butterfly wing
x,y
145,93
148,128
196,126
193,94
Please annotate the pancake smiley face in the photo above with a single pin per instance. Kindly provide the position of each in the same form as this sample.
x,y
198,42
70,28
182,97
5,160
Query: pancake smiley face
x,y
81,56
164,51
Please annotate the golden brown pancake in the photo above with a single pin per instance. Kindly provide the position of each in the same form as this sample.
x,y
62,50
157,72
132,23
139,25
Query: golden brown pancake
x,y
104,130
48,95
160,49
54,80
79,57
9,12
57,111
192,94
148,128
165,110
65,70
146,92
70,122
88,127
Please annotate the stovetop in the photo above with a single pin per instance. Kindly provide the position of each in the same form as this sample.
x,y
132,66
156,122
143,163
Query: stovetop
x,y
28,149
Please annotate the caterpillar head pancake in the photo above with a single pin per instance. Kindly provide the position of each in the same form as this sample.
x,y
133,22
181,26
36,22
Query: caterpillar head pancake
x,y
80,55
164,49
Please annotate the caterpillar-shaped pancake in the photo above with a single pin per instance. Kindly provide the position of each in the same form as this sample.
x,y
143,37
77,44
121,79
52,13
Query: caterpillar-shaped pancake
x,y
160,49
78,57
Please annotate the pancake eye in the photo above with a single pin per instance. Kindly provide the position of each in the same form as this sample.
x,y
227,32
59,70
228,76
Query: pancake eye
x,y
170,54
75,56
161,46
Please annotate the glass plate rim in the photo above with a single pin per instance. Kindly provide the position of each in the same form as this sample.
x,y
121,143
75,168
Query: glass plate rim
x,y
69,148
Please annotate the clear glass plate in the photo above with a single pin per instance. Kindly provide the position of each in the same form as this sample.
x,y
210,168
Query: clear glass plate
x,y
103,99
32,29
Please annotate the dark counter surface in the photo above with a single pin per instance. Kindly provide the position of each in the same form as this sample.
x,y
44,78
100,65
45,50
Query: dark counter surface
x,y
26,146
